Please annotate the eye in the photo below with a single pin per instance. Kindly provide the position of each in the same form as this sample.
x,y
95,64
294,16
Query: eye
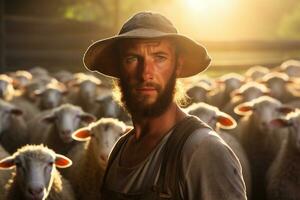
x,y
50,163
18,164
160,58
130,59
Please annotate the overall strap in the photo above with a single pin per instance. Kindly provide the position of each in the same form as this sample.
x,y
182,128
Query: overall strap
x,y
113,154
171,167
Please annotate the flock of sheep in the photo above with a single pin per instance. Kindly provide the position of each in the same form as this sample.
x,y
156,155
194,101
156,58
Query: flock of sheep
x,y
71,122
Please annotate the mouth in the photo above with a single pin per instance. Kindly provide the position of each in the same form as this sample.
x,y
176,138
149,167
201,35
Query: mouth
x,y
146,90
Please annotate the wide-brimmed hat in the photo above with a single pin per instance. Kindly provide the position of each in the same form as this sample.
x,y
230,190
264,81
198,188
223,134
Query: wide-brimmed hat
x,y
102,56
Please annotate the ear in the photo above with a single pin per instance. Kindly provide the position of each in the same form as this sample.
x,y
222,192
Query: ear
x,y
285,109
49,118
16,111
7,163
225,121
235,93
268,93
88,118
243,109
62,161
81,135
279,123
180,62
38,93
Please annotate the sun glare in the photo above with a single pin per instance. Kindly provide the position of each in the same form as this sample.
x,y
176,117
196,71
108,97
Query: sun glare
x,y
208,6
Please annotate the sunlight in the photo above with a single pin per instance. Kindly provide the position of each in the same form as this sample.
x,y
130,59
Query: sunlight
x,y
208,6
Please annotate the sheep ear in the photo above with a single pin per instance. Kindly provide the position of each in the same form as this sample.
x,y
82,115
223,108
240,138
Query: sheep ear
x,y
49,118
62,161
279,123
286,109
225,121
82,134
38,93
7,163
88,118
16,111
243,109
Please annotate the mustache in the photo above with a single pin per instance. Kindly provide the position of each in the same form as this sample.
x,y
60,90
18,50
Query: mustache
x,y
148,84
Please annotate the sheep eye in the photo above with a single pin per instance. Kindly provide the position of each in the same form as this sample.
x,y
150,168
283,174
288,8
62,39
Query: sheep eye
x,y
51,163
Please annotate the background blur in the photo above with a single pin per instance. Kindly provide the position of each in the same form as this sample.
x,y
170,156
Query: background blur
x,y
237,33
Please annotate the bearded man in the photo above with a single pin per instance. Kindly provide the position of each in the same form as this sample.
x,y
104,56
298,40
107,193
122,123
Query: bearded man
x,y
168,154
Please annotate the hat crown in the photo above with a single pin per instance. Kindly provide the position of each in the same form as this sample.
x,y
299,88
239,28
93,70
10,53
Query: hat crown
x,y
148,20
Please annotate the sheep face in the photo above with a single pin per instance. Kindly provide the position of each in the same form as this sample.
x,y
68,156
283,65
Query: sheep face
x,y
103,139
198,93
35,168
7,111
102,134
108,107
67,119
50,98
88,89
263,110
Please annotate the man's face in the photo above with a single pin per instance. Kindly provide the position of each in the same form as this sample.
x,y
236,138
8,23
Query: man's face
x,y
147,75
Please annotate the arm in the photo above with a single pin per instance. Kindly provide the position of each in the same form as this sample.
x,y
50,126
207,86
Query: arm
x,y
211,170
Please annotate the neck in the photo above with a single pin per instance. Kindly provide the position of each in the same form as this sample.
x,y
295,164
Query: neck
x,y
158,125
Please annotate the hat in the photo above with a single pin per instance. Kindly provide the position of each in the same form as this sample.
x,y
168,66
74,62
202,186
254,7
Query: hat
x,y
101,55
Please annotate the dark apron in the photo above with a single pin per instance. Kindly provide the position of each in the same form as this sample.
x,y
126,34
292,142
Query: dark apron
x,y
167,186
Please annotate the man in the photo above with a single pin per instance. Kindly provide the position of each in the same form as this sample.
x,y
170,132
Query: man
x,y
168,154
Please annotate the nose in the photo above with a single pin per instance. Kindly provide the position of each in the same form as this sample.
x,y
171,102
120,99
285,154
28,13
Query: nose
x,y
66,132
148,70
35,191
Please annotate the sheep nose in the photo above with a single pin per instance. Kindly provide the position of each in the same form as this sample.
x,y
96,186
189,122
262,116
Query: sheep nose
x,y
37,191
66,132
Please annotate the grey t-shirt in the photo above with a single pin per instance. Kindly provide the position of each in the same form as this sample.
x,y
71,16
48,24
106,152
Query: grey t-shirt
x,y
211,170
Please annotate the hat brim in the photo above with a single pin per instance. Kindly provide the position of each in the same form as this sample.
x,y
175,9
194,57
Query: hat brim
x,y
101,55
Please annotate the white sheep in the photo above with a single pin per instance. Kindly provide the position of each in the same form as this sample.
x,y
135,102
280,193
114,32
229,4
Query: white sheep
x,y
246,92
255,73
281,86
283,175
36,176
260,141
225,84
54,127
51,96
291,68
13,129
90,159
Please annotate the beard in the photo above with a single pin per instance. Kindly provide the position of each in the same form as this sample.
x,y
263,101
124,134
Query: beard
x,y
137,108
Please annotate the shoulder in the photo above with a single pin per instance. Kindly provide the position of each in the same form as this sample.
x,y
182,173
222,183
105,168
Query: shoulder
x,y
204,142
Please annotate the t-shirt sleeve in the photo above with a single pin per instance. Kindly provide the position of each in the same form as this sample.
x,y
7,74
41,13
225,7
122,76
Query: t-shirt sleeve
x,y
210,168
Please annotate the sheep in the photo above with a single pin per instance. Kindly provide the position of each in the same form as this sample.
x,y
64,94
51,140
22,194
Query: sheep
x,y
21,78
220,120
280,86
291,68
225,85
38,72
4,175
246,92
283,175
36,176
51,96
13,129
90,159
260,141
63,76
7,91
198,92
88,87
54,127
255,73
108,107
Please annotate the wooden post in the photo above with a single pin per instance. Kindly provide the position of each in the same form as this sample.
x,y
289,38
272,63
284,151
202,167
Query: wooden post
x,y
2,36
